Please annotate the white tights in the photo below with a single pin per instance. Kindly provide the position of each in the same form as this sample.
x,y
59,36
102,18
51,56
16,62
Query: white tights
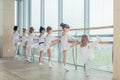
x,y
29,52
87,66
16,49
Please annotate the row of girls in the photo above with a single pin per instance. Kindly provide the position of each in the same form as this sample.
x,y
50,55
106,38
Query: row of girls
x,y
47,41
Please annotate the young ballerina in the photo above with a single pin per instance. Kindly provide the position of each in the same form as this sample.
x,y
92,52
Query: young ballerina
x,y
49,41
41,43
65,44
16,40
30,43
87,52
24,39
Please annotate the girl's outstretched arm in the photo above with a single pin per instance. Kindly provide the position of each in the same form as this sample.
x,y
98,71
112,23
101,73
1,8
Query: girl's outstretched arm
x,y
94,43
75,43
55,42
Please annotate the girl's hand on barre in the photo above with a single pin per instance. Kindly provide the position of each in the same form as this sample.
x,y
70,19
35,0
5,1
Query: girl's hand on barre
x,y
98,38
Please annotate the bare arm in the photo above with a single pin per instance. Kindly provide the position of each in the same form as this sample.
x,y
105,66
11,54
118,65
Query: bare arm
x,y
75,43
55,42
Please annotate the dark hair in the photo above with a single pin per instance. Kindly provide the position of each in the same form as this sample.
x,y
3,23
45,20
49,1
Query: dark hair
x,y
31,29
15,28
41,29
64,25
49,28
24,29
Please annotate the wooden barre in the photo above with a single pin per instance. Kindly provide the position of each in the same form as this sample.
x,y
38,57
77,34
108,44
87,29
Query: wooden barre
x,y
101,42
105,42
91,28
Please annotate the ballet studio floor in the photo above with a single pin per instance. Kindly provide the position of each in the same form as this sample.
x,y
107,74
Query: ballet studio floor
x,y
11,69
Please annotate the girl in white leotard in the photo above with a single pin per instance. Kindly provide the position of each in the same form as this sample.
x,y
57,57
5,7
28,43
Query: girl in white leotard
x,y
16,40
65,44
49,41
24,39
87,52
30,43
41,43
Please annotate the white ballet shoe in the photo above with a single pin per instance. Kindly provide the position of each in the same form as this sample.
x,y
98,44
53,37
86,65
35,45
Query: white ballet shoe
x,y
41,64
50,65
28,60
66,68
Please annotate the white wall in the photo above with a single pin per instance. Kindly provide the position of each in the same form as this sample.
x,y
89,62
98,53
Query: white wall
x,y
116,40
6,27
1,32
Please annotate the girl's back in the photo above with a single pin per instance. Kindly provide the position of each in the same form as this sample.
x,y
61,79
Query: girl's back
x,y
15,37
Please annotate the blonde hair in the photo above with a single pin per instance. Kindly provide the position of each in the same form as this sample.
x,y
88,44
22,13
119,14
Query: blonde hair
x,y
84,40
24,30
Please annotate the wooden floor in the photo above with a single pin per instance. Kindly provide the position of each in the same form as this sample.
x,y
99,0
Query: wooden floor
x,y
11,69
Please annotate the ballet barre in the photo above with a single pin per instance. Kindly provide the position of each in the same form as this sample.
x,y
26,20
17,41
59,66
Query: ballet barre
x,y
105,42
101,42
91,28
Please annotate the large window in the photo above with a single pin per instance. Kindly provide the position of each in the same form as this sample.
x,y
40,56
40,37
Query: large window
x,y
73,13
15,12
101,14
26,13
51,19
36,14
51,13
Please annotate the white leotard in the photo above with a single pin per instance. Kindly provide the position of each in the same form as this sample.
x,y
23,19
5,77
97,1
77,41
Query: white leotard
x,y
48,40
65,45
15,38
24,39
42,43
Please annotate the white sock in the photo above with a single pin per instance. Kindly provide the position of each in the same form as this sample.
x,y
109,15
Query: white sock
x,y
66,68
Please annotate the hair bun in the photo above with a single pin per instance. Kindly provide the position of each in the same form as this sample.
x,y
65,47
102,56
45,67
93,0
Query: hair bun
x,y
62,24
41,28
